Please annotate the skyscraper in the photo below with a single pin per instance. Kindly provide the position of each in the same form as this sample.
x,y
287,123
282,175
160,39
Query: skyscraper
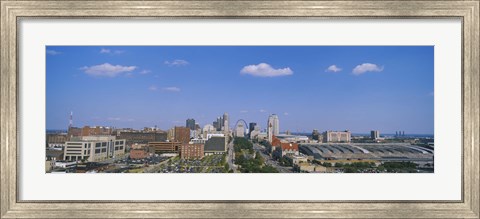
x,y
273,127
219,123
269,130
251,127
225,123
374,134
190,124
273,119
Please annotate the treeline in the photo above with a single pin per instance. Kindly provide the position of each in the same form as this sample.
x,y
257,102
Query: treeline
x,y
398,167
253,165
242,144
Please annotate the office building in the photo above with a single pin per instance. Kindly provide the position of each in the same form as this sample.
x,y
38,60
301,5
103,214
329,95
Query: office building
x,y
273,127
315,135
226,124
164,147
337,136
192,151
273,119
251,127
94,148
190,124
182,134
374,135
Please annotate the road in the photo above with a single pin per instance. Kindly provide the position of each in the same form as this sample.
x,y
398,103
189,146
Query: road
x,y
231,157
269,161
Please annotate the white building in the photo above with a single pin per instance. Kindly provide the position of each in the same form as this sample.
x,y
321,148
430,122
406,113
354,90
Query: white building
x,y
336,136
273,126
226,128
94,148
240,130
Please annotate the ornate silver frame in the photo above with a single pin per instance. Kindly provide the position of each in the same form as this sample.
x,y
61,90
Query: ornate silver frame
x,y
468,11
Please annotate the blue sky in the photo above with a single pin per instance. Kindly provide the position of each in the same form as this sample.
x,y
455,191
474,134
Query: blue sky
x,y
359,88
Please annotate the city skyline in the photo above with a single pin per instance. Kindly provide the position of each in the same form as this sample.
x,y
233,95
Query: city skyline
x,y
359,88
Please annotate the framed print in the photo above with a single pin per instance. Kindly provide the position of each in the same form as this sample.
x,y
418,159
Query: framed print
x,y
217,109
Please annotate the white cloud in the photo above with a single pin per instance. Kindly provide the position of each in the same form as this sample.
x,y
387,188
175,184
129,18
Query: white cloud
x,y
53,52
286,114
263,111
107,70
243,111
333,68
152,88
366,67
176,62
108,51
171,89
144,72
265,70
105,50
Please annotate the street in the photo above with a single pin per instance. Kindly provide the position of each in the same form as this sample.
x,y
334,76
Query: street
x,y
268,160
231,157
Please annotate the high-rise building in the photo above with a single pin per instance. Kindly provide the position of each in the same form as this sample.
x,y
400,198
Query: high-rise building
x,y
182,134
256,131
273,126
226,128
190,124
251,127
374,134
219,123
315,134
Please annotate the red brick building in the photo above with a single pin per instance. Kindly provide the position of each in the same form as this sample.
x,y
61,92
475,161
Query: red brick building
x,y
282,148
165,147
191,151
182,134
138,154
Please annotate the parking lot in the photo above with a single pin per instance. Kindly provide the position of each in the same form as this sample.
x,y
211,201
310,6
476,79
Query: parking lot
x,y
208,164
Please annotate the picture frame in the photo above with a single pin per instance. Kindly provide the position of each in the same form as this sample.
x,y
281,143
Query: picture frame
x,y
14,11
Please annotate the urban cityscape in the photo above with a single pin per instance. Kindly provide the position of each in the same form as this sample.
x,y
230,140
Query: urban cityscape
x,y
97,124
